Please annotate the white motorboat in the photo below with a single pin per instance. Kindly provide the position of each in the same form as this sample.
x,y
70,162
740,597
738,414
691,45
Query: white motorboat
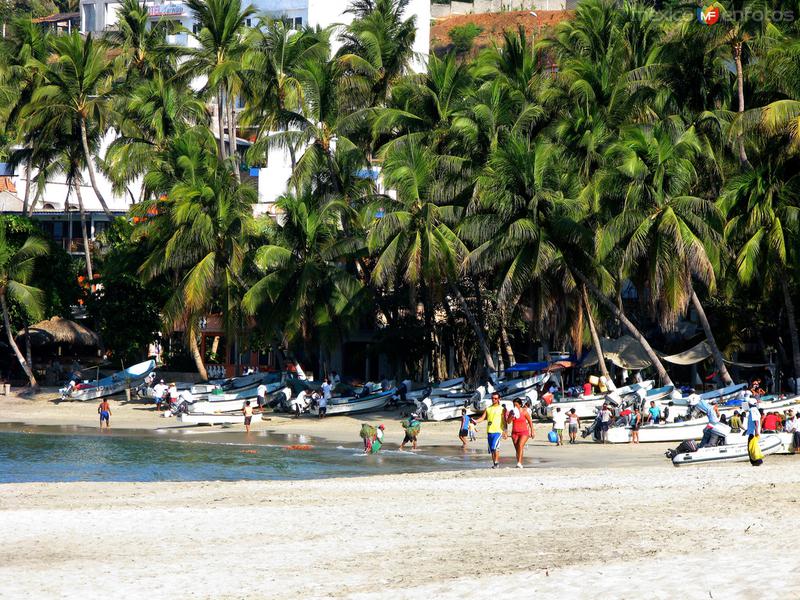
x,y
348,405
215,418
524,389
108,386
418,393
787,442
734,449
442,408
586,406
663,432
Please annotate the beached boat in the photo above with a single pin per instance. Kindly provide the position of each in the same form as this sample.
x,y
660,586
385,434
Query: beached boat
x,y
525,389
586,406
442,408
417,393
734,449
215,418
108,386
663,432
348,405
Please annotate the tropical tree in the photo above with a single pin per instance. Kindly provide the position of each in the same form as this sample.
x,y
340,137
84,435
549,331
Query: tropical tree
x,y
76,88
16,270
414,239
199,235
218,58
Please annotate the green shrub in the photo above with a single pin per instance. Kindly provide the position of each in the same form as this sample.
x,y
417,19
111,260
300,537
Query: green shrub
x,y
463,36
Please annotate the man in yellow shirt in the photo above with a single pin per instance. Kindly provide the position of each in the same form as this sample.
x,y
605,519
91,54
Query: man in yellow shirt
x,y
495,417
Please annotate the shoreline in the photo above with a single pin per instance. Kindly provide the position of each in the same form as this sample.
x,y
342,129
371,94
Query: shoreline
x,y
139,418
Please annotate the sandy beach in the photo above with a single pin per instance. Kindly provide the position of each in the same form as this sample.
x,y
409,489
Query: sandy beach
x,y
634,527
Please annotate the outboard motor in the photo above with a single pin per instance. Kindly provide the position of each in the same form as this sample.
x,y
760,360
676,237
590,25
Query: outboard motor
x,y
182,408
424,409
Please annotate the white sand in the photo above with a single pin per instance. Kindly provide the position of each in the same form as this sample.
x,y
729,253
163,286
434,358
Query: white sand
x,y
638,528
703,532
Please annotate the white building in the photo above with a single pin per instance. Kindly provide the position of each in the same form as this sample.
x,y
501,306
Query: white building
x,y
101,15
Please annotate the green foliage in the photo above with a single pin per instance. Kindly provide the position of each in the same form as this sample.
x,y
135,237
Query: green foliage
x,y
463,36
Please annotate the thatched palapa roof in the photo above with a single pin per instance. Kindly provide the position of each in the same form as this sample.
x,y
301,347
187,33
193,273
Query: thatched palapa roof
x,y
61,331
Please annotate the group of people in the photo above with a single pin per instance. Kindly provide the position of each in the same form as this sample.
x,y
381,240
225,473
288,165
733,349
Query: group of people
x,y
373,436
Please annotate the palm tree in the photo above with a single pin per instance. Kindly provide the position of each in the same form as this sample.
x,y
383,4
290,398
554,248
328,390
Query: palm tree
x,y
222,47
378,46
414,239
300,290
77,88
143,47
21,57
665,235
16,269
763,215
200,233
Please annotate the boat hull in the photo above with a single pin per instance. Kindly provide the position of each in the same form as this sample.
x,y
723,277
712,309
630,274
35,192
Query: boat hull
x,y
114,384
665,432
215,419
769,444
350,406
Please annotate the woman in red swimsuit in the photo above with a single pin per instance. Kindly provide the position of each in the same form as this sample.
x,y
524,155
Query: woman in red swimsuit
x,y
521,429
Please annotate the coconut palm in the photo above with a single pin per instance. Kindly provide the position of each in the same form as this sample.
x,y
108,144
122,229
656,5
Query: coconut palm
x,y
76,88
222,47
763,227
377,46
665,235
414,239
16,269
142,44
199,234
299,289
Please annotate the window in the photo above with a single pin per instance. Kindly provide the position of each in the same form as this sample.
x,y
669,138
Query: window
x,y
248,22
298,22
196,28
88,17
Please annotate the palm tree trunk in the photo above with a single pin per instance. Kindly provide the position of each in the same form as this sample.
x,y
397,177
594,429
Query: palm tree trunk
x,y
220,121
90,167
22,362
598,347
194,350
715,351
737,57
232,141
507,343
28,350
27,196
487,355
632,329
84,232
792,321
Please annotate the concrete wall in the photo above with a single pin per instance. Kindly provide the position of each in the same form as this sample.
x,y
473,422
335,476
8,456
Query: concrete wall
x,y
440,11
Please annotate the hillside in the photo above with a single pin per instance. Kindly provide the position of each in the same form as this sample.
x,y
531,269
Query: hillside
x,y
493,25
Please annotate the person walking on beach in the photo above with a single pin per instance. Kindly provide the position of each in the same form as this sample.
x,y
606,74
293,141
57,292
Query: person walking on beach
x,y
463,431
521,429
104,410
559,421
574,423
411,426
495,417
247,411
636,422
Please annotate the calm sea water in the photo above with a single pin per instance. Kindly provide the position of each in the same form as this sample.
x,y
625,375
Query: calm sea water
x,y
49,454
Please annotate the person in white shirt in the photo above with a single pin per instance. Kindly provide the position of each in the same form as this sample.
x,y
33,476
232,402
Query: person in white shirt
x,y
173,393
326,395
261,392
792,425
605,422
159,391
559,421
